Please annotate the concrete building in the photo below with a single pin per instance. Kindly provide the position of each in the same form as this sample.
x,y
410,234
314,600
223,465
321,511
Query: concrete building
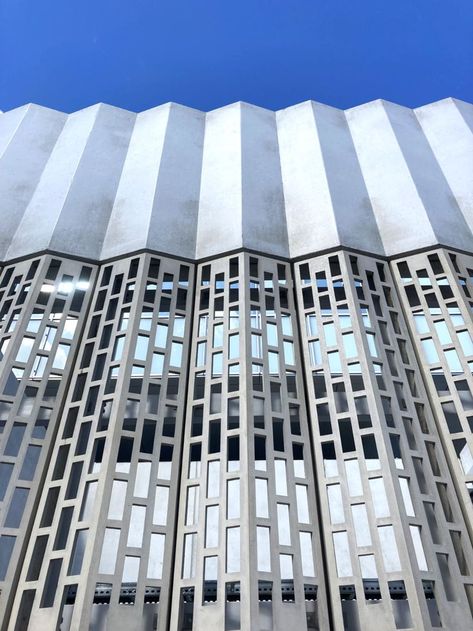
x,y
236,384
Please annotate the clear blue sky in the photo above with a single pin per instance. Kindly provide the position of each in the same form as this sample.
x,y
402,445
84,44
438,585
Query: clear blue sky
x,y
68,54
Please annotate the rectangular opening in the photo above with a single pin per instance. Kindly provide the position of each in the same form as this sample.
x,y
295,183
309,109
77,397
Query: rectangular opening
x,y
7,543
24,611
431,600
447,578
16,508
209,588
51,583
186,609
346,435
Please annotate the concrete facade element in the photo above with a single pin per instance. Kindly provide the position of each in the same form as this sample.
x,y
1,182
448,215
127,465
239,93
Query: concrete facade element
x,y
239,444
388,499
236,358
379,178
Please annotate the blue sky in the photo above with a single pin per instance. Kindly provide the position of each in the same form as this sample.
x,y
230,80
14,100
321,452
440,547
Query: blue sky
x,y
68,54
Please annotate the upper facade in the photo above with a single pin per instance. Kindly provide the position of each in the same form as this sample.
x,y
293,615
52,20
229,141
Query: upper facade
x,y
104,182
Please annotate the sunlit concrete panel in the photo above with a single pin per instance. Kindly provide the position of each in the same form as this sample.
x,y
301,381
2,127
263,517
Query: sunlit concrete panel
x,y
131,213
354,216
379,178
441,206
173,225
50,197
151,201
219,226
93,190
23,161
309,211
401,216
9,124
448,127
263,213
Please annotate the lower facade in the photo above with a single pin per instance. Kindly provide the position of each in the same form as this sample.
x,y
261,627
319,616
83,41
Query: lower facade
x,y
245,443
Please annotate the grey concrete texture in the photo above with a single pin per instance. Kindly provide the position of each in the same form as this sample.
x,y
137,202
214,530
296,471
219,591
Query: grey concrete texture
x,y
104,182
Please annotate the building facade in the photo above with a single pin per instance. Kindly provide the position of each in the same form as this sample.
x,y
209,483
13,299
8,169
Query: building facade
x,y
236,356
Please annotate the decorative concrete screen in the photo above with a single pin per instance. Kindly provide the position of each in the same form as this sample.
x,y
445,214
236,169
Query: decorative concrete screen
x,y
236,358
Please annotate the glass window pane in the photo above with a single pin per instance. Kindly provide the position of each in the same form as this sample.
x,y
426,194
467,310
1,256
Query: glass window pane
x,y
361,525
78,551
372,344
109,551
307,555
349,345
380,500
190,555
156,556
176,354
315,354
311,323
420,322
218,336
453,361
201,354
286,324
117,499
261,487
263,549
6,548
335,502
389,550
141,347
256,347
161,501
203,325
233,346
273,363
335,363
342,554
233,549
442,332
118,350
25,349
211,526
157,364
48,338
465,341
60,358
430,351
272,333
418,548
330,335
161,336
288,353
217,364
179,326
131,569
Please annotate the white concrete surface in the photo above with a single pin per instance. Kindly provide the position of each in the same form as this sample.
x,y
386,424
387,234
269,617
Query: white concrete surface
x,y
104,182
